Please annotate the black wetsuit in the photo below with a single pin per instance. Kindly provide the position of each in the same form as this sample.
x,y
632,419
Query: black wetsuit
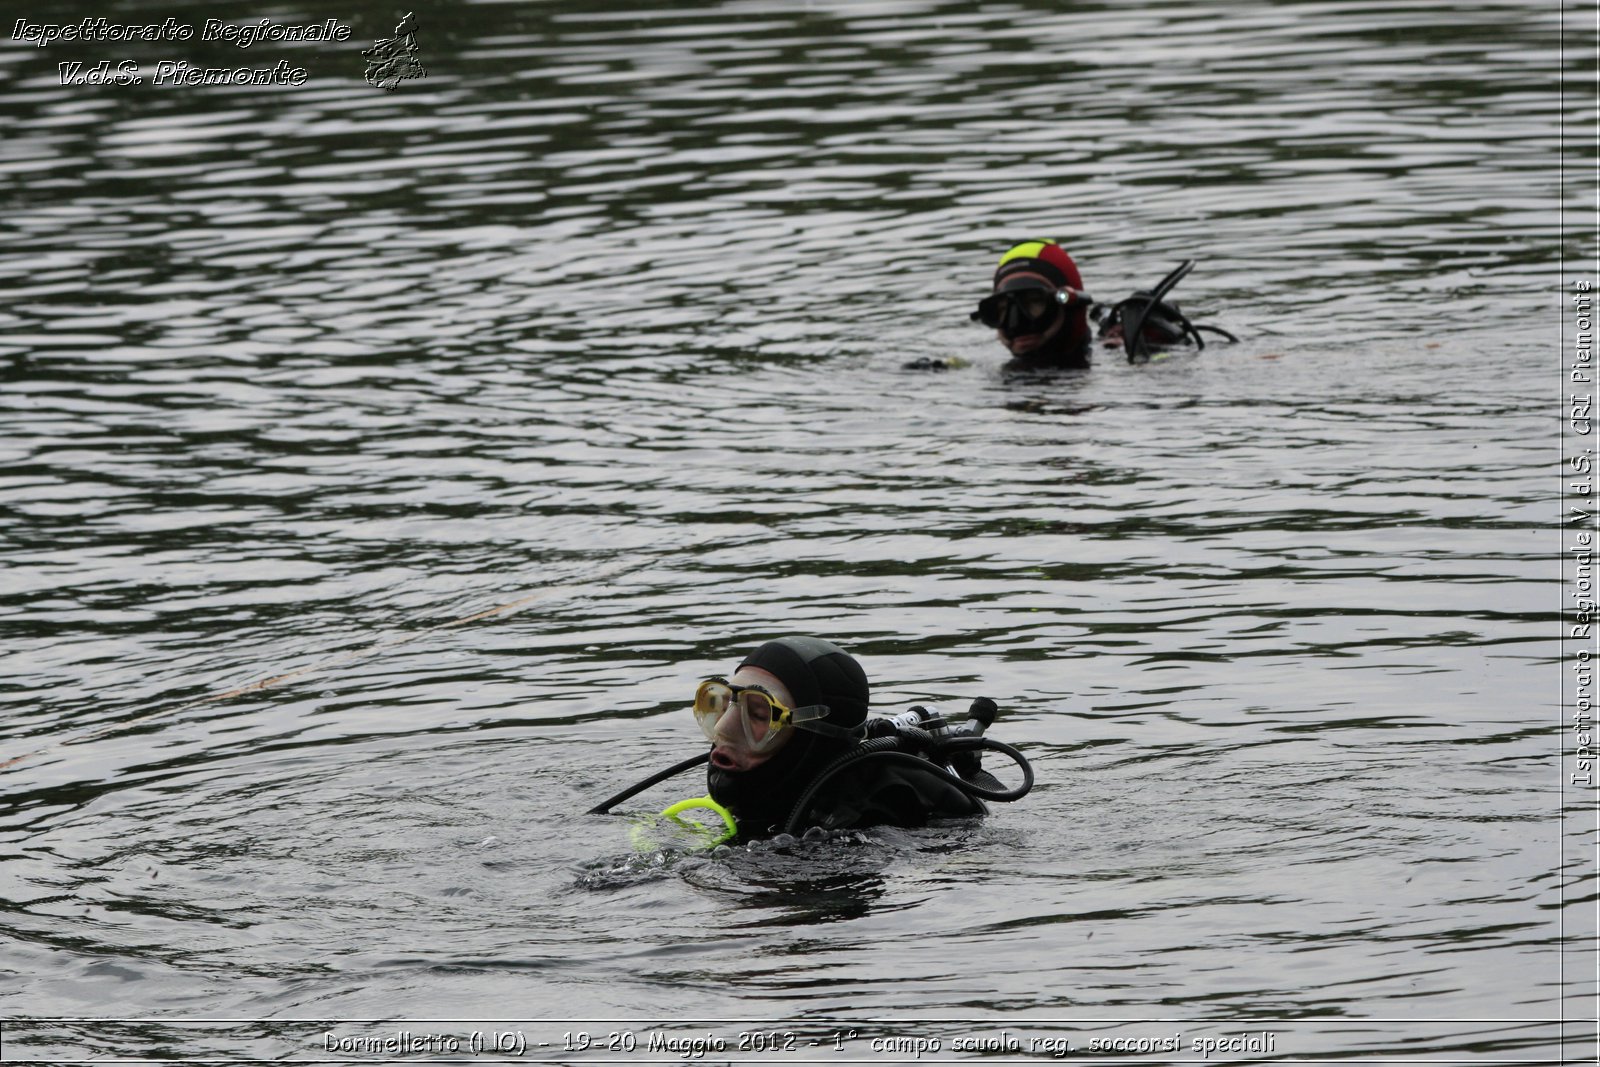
x,y
896,795
873,792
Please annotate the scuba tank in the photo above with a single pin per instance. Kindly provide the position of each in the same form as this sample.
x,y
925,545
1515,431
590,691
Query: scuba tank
x,y
919,737
1145,318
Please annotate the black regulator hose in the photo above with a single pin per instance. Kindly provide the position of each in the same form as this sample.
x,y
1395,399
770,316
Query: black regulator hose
x,y
1133,335
888,749
660,776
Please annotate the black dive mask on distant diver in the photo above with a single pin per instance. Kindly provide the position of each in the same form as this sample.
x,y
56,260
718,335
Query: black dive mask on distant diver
x,y
1027,309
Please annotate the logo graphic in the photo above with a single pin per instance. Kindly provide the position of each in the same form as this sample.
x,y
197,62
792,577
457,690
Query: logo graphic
x,y
394,59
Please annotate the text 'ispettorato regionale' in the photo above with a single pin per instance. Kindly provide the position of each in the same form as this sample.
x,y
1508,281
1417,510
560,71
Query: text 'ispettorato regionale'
x,y
101,31
178,72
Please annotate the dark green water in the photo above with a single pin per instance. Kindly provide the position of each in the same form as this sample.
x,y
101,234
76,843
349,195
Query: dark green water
x,y
605,319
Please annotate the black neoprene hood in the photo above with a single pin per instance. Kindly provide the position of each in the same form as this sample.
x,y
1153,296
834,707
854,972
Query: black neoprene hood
x,y
816,672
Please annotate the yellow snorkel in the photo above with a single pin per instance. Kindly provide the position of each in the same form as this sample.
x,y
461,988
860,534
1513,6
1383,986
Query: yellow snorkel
x,y
689,833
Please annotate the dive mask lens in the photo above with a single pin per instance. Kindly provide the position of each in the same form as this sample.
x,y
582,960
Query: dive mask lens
x,y
711,700
1035,304
762,717
1017,311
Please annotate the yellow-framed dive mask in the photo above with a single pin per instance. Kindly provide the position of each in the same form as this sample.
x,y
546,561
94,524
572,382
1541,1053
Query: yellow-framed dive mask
x,y
763,721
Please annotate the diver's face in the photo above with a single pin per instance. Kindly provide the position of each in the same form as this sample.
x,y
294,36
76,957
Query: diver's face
x,y
1025,344
731,751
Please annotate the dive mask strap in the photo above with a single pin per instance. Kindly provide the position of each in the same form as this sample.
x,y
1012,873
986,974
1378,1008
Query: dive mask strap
x,y
812,718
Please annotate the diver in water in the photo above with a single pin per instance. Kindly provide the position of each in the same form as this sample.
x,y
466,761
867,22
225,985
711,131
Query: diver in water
x,y
761,762
1041,314
792,748
1038,309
